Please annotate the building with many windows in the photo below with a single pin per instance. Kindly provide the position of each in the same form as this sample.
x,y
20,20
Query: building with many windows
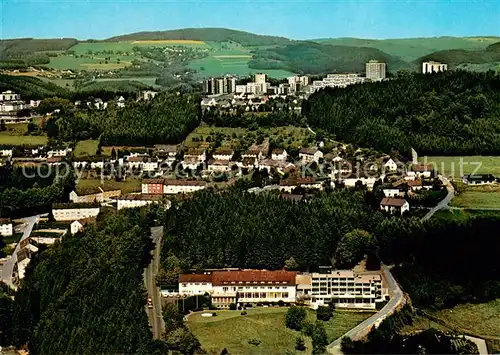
x,y
74,211
375,70
433,67
346,289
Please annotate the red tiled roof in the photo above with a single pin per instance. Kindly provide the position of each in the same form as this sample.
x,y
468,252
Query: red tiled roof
x,y
184,182
153,181
195,278
256,277
307,180
422,167
395,202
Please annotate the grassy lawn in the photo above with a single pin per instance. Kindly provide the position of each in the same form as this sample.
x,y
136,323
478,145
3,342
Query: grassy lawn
x,y
106,150
86,148
456,167
232,331
7,139
290,134
485,196
126,186
463,215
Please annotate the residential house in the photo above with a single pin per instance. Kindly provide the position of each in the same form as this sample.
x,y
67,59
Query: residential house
x,y
309,183
80,224
182,186
309,155
255,154
6,227
97,194
198,154
150,166
423,170
364,178
394,205
218,165
74,211
223,154
279,166
135,162
479,179
249,163
152,186
279,154
138,200
6,152
390,165
190,162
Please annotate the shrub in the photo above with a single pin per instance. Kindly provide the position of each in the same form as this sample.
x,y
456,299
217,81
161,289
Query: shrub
x,y
254,341
300,344
295,317
308,328
212,307
281,303
232,306
214,314
324,313
243,313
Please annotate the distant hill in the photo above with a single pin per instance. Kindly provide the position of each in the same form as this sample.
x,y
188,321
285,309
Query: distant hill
x,y
27,51
30,87
410,49
207,35
455,57
315,58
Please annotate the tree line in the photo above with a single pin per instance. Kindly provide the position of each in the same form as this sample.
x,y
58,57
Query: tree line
x,y
86,294
448,113
167,119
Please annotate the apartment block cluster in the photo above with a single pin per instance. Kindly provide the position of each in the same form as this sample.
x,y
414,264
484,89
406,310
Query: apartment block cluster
x,y
11,103
374,71
343,288
33,155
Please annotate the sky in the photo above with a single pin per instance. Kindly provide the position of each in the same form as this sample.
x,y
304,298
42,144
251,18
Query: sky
x,y
297,19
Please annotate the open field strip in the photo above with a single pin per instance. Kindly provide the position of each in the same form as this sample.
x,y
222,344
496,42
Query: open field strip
x,y
457,166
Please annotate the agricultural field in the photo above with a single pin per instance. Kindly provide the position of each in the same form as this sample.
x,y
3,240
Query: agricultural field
x,y
293,136
458,166
91,62
151,81
232,331
85,148
476,197
127,186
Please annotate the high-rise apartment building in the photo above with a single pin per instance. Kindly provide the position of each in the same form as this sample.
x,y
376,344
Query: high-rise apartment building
x,y
375,70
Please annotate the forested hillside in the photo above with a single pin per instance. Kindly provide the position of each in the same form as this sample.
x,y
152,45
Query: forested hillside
x,y
166,119
314,58
236,229
206,34
30,87
86,295
450,113
410,49
28,51
455,57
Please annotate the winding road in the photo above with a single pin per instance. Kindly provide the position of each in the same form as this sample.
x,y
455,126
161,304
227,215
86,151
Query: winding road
x,y
363,328
445,201
155,314
8,267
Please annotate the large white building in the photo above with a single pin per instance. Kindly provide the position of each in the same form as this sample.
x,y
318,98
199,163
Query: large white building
x,y
9,96
341,80
347,289
74,211
433,67
375,70
242,286
5,227
297,83
138,200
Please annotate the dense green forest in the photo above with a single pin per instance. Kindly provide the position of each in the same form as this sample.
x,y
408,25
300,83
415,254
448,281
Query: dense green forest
x,y
454,57
206,34
166,119
21,195
449,113
86,295
30,87
314,58
456,262
238,229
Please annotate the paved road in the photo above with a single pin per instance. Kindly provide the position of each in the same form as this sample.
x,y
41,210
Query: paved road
x,y
155,313
445,201
364,328
8,267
